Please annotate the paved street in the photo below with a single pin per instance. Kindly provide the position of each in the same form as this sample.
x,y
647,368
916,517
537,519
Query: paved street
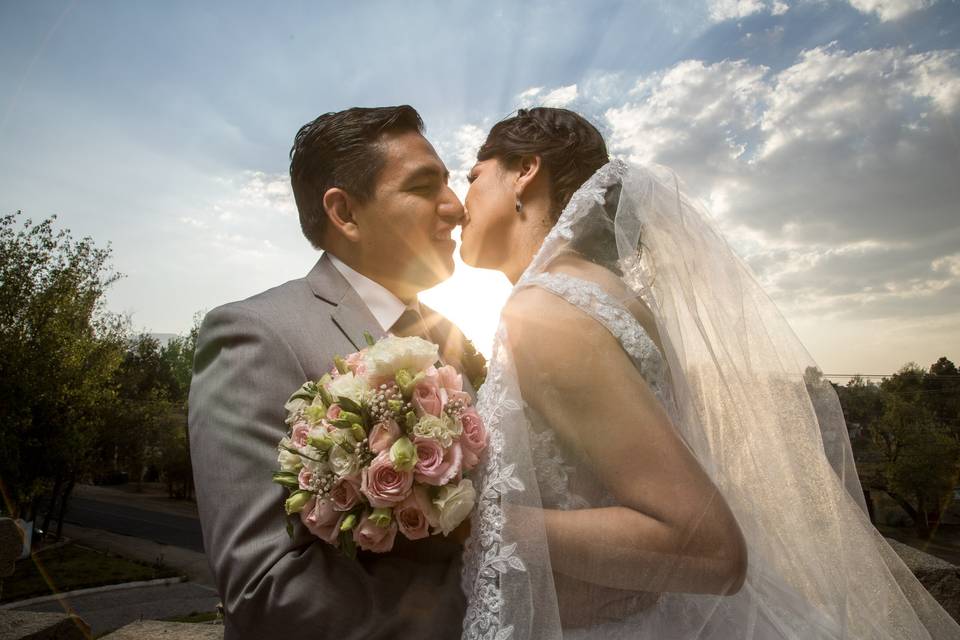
x,y
165,528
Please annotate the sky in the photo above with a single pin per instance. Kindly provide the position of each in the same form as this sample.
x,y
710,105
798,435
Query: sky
x,y
822,135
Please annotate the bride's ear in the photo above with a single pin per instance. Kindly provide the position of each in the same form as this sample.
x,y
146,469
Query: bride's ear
x,y
530,167
339,207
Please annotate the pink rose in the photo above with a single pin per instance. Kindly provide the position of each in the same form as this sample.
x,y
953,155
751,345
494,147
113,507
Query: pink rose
x,y
383,435
426,398
299,433
473,439
322,520
346,492
383,484
355,362
414,515
436,466
333,412
305,477
450,379
371,537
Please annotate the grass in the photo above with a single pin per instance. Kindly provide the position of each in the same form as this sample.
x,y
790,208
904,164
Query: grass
x,y
208,616
74,566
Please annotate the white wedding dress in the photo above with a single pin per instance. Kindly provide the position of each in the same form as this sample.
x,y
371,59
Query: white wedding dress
x,y
745,398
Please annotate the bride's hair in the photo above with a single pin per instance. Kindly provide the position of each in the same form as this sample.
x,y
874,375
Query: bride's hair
x,y
570,148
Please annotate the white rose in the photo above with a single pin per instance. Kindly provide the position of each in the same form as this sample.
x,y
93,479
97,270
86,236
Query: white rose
x,y
289,461
348,385
454,504
342,462
294,406
441,429
392,353
316,467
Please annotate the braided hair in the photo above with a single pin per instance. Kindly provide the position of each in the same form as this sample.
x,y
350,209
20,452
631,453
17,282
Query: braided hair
x,y
570,148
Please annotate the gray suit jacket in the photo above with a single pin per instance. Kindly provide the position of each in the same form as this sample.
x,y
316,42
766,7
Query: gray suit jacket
x,y
251,355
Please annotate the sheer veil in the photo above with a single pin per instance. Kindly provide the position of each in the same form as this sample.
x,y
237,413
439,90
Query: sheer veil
x,y
748,401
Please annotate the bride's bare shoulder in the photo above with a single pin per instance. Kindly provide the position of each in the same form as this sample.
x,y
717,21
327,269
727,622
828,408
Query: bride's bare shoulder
x,y
536,305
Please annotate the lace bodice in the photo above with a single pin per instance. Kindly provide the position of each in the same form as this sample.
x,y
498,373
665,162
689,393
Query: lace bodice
x,y
492,562
564,482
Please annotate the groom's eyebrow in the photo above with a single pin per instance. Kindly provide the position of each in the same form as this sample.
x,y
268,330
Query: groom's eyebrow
x,y
427,172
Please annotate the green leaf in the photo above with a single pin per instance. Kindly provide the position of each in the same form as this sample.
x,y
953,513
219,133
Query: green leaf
x,y
287,479
369,339
347,404
347,545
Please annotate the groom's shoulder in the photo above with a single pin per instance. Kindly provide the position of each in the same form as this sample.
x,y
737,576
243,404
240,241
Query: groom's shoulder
x,y
274,300
274,307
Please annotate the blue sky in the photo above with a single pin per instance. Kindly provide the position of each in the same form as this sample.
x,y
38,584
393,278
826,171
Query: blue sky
x,y
824,135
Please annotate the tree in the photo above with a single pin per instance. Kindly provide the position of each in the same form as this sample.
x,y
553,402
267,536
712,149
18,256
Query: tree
x,y
175,463
941,394
140,413
906,439
59,349
921,460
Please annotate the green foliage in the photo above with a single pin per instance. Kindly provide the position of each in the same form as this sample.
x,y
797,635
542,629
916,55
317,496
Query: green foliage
x,y
148,430
59,349
906,437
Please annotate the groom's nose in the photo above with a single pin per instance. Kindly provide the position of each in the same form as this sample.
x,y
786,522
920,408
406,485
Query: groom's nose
x,y
450,209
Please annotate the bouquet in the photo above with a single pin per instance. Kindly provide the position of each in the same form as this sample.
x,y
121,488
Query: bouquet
x,y
379,445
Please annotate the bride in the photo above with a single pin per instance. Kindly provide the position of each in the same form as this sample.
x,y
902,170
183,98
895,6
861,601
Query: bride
x,y
665,460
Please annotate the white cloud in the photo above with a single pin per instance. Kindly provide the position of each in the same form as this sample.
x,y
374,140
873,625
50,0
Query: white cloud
x,y
540,97
267,190
948,265
721,10
834,177
461,154
890,9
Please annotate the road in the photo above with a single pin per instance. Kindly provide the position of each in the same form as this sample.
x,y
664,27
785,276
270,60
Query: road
x,y
111,515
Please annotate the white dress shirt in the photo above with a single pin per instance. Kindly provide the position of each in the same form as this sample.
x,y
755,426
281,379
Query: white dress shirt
x,y
385,307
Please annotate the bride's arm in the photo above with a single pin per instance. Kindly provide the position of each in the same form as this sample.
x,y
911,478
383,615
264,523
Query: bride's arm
x,y
673,531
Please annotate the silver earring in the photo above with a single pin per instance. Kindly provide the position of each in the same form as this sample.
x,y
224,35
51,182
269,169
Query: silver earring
x,y
519,205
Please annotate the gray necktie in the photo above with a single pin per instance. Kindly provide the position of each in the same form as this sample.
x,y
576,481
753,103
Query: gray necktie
x,y
411,323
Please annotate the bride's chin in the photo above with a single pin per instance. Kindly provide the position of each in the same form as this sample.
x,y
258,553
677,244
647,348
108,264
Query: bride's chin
x,y
469,256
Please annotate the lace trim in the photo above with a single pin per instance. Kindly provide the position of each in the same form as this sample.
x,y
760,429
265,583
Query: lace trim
x,y
485,555
592,191
605,309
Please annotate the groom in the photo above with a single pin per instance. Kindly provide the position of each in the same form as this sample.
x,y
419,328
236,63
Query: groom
x,y
372,193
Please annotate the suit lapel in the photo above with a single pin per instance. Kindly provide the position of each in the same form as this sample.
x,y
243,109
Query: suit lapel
x,y
348,311
353,318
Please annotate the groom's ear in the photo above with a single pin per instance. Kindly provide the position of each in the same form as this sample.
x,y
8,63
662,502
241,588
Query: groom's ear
x,y
339,207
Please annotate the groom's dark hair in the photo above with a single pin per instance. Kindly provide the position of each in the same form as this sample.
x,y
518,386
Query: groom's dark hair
x,y
341,149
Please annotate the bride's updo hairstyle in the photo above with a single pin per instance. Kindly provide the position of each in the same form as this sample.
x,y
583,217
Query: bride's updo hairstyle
x,y
571,150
